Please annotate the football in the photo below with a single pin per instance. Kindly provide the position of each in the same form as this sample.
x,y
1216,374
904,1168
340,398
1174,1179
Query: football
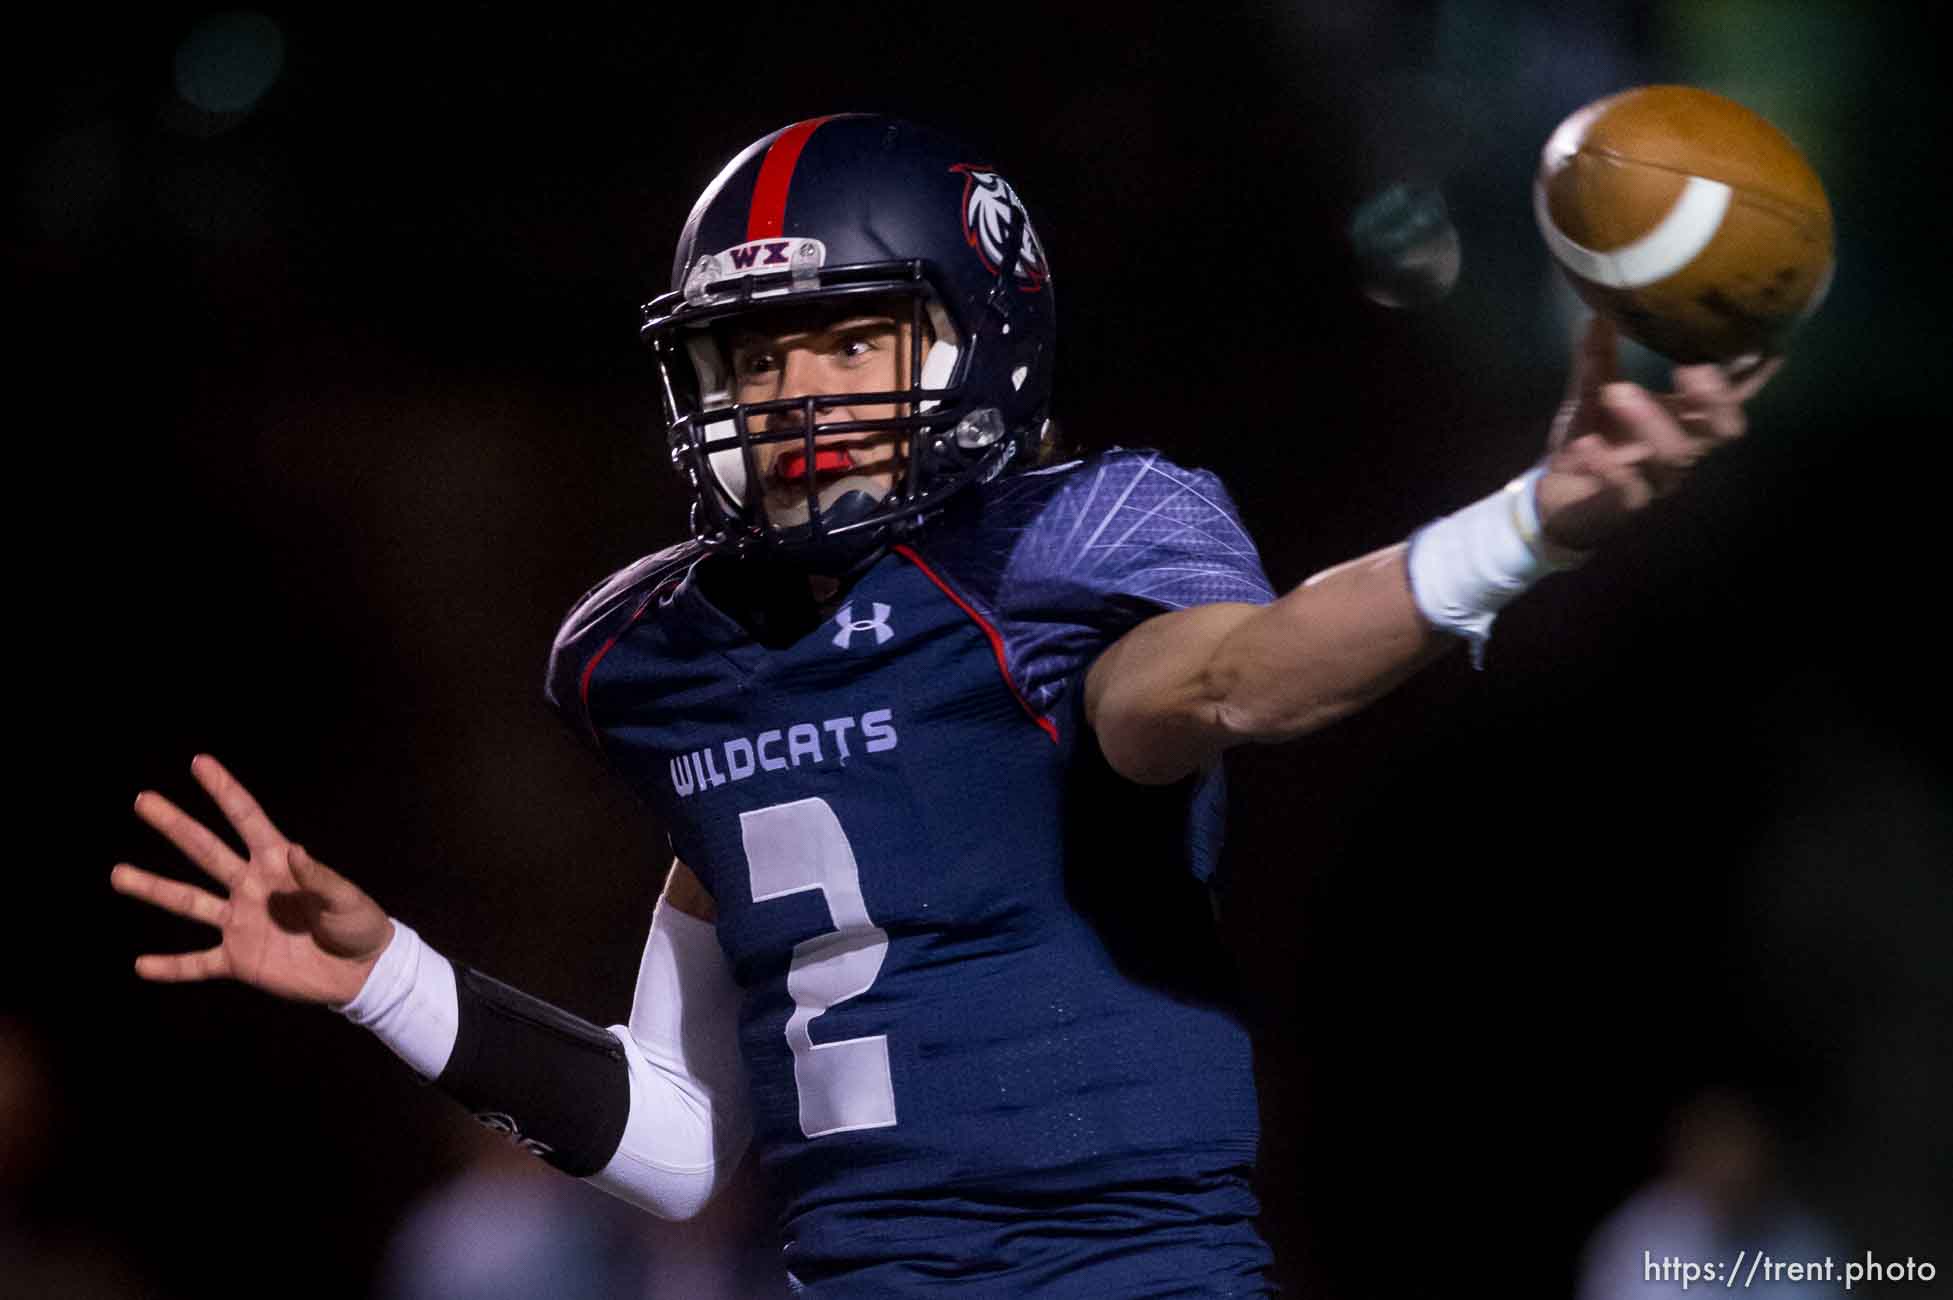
x,y
1689,219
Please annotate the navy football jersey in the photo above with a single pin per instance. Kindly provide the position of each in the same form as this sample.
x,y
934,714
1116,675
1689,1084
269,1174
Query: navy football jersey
x,y
988,1025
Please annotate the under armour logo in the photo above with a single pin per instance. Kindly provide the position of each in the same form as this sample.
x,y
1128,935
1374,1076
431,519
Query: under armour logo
x,y
845,620
499,1122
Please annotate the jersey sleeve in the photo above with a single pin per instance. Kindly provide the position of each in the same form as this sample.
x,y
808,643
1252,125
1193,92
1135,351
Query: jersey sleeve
x,y
1131,534
1064,561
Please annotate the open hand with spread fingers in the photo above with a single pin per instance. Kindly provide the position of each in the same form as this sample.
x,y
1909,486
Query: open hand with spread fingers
x,y
1615,447
287,924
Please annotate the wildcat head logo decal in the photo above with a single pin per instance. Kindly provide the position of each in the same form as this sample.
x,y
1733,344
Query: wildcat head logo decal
x,y
990,208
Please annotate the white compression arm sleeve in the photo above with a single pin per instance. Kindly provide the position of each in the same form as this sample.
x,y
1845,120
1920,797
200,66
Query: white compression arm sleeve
x,y
689,1120
690,1116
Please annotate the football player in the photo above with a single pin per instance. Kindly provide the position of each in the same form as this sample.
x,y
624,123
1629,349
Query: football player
x,y
934,727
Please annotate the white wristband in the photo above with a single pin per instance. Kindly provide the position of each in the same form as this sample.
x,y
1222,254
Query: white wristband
x,y
409,1001
1523,496
1466,567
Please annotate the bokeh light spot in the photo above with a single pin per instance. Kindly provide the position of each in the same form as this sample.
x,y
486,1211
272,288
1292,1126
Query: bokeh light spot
x,y
1406,248
228,61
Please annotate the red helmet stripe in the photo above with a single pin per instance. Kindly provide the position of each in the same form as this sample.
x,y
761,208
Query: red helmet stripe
x,y
768,216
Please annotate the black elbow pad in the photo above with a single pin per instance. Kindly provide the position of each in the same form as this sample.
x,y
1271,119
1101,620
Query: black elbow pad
x,y
555,1083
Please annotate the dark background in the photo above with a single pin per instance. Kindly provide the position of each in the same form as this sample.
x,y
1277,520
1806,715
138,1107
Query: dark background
x,y
327,403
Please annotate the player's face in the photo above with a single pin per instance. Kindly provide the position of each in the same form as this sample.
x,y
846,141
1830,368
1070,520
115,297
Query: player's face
x,y
856,348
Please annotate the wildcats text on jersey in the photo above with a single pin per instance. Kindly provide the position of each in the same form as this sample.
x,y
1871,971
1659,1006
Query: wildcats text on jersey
x,y
779,748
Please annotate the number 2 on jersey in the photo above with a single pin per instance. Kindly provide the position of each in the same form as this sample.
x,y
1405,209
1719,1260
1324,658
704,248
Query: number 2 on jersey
x,y
791,848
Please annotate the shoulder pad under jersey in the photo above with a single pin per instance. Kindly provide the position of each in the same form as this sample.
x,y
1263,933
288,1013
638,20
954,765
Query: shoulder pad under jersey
x,y
601,616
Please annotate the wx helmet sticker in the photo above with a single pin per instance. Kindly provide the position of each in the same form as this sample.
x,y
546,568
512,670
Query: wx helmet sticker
x,y
801,259
990,205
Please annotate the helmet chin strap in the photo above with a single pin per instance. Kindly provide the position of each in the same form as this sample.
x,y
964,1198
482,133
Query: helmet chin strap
x,y
850,507
841,556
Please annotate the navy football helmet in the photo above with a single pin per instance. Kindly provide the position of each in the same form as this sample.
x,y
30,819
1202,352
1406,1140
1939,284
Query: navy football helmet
x,y
856,207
